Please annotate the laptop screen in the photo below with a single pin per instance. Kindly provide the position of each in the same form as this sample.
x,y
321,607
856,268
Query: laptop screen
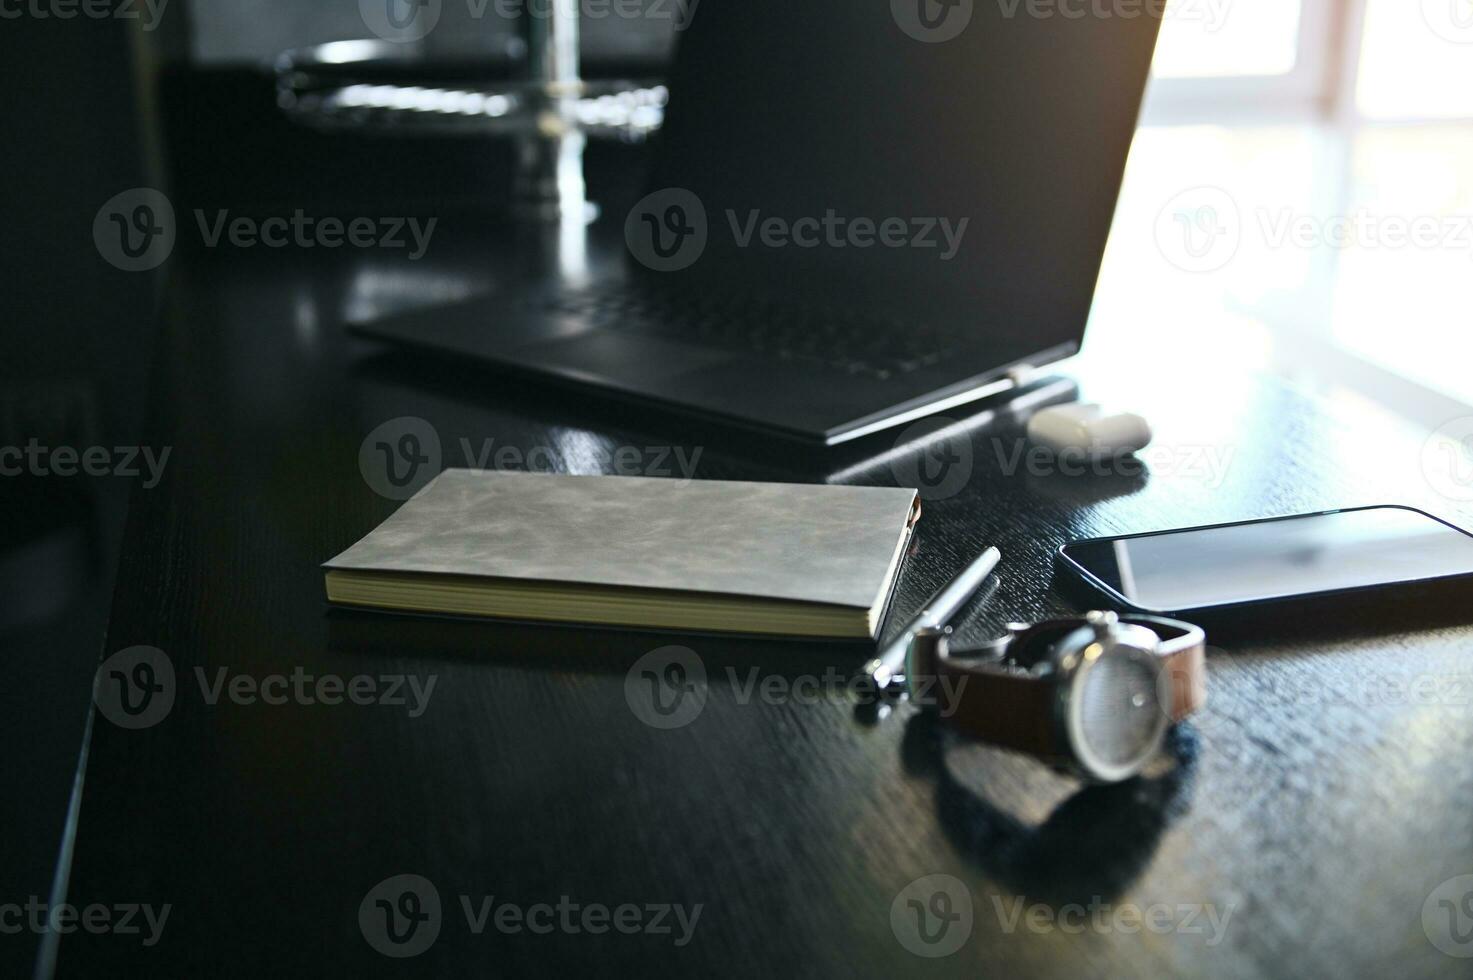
x,y
953,164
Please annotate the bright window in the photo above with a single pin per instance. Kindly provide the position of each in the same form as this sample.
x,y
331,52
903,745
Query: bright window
x,y
1228,38
1300,197
1416,59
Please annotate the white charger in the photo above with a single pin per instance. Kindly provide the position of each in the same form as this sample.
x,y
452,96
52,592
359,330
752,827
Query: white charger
x,y
1084,428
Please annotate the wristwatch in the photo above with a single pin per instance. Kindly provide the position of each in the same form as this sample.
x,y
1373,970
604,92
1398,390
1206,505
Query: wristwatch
x,y
1092,696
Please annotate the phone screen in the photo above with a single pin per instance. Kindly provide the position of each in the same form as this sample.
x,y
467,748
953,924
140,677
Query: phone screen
x,y
1267,560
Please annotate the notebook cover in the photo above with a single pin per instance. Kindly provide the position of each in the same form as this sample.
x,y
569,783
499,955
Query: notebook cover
x,y
801,542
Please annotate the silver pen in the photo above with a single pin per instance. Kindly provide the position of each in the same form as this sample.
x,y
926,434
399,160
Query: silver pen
x,y
887,669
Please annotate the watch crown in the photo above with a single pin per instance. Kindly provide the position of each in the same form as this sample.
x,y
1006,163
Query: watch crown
x,y
1102,622
923,657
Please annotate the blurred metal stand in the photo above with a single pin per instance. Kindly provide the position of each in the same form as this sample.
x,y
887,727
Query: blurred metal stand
x,y
550,113
549,179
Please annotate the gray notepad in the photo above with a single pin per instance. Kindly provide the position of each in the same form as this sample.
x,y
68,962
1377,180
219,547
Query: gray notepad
x,y
705,555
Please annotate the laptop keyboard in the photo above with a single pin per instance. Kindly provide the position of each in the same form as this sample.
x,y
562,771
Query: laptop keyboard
x,y
873,347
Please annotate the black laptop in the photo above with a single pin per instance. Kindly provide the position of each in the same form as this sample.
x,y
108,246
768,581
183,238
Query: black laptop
x,y
860,213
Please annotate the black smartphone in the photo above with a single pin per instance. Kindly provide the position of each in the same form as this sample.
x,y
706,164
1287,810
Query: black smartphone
x,y
1311,562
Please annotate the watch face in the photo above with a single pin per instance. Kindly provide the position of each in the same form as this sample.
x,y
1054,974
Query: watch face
x,y
1117,709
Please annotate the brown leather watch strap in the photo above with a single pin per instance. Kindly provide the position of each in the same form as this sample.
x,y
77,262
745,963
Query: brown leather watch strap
x,y
1184,650
999,704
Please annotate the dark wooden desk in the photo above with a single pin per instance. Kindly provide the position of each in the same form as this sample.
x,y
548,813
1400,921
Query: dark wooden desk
x,y
1310,810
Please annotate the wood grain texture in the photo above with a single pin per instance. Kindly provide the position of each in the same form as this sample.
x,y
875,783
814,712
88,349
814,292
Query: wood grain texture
x,y
1307,803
